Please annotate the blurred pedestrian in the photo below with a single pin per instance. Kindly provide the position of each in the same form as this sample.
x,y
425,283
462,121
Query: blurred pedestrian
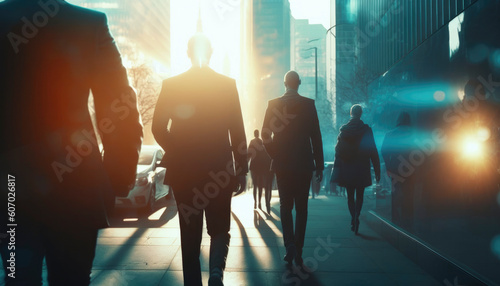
x,y
61,187
260,165
396,148
354,150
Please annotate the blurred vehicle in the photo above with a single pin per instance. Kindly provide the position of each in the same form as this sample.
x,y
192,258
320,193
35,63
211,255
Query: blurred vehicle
x,y
149,185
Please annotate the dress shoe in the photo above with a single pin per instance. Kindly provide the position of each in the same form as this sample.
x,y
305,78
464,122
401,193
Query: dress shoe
x,y
356,227
299,261
290,254
215,280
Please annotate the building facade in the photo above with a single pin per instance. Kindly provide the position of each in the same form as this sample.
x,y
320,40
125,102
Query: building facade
x,y
418,56
266,53
344,32
309,59
141,29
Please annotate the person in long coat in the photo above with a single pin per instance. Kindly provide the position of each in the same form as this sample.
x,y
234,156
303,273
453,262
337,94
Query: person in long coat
x,y
354,151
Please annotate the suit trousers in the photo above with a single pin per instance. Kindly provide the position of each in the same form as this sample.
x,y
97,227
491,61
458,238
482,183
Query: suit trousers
x,y
293,188
192,203
68,251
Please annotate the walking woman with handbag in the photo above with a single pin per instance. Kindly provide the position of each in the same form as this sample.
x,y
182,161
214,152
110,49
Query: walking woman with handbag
x,y
354,150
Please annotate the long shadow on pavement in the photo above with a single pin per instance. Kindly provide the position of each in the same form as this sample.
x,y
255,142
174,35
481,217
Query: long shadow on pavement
x,y
250,256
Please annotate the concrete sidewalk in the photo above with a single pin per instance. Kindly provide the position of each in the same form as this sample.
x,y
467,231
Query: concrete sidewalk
x,y
146,251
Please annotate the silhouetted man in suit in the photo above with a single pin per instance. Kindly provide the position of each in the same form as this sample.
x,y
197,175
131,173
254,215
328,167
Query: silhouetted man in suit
x,y
51,54
195,113
292,138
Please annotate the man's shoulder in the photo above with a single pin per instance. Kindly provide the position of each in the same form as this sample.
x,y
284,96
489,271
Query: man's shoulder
x,y
77,14
306,99
51,8
221,77
189,74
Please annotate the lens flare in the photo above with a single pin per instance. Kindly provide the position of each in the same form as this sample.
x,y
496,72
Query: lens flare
x,y
471,148
495,246
439,96
483,134
461,94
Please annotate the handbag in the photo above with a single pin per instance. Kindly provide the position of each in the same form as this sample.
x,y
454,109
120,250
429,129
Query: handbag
x,y
336,176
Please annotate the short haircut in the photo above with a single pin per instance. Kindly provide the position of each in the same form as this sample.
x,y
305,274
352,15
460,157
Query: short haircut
x,y
356,111
256,133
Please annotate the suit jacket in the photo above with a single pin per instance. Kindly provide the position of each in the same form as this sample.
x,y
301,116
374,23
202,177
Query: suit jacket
x,y
291,134
198,122
47,68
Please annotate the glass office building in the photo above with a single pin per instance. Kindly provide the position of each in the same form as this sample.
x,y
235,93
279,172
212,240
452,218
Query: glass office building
x,y
267,49
423,57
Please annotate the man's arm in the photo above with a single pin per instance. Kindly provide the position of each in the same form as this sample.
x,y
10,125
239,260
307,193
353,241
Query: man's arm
x,y
374,155
317,145
267,132
317,141
161,118
387,151
237,133
116,107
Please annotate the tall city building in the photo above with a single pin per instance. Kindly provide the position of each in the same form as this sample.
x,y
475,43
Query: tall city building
x,y
344,32
330,61
388,30
266,52
308,48
372,36
309,59
140,28
422,57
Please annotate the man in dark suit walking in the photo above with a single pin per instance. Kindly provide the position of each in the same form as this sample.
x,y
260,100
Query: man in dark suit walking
x,y
193,117
59,184
292,137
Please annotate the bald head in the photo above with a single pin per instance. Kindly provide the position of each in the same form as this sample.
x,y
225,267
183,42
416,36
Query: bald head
x,y
199,49
292,80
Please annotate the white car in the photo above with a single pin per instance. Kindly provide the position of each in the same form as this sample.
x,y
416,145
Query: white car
x,y
149,185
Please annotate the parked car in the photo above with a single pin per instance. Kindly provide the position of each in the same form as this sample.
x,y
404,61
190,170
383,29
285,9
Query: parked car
x,y
149,185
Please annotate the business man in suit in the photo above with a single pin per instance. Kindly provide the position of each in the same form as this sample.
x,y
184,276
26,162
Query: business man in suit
x,y
195,113
51,55
292,138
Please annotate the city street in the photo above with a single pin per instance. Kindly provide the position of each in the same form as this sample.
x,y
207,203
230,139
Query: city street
x,y
146,250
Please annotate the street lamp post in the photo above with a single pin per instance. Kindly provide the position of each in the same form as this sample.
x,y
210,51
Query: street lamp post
x,y
315,67
315,70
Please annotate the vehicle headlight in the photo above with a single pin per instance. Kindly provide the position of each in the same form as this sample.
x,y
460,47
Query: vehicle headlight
x,y
141,181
